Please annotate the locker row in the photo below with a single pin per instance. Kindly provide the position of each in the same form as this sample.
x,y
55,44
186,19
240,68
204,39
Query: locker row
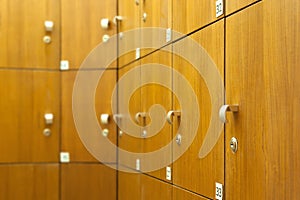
x,y
77,30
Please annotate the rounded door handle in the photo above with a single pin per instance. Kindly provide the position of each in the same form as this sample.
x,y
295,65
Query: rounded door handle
x,y
138,115
117,18
227,108
172,113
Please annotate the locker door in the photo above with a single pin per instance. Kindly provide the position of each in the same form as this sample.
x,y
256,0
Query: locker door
x,y
193,14
179,194
26,97
129,11
22,32
158,132
233,6
155,14
71,142
81,28
189,171
87,181
127,140
29,182
246,169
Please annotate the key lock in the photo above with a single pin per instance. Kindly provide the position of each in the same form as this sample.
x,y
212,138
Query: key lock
x,y
104,119
48,117
140,118
48,28
222,115
171,114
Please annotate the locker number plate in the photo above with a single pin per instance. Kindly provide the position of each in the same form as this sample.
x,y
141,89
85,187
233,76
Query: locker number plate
x,y
219,8
219,191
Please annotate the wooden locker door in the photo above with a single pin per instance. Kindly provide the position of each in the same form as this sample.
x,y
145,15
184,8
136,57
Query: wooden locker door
x,y
191,15
246,169
127,141
22,32
26,97
179,194
30,181
189,171
81,28
153,93
157,15
129,11
233,6
87,181
71,142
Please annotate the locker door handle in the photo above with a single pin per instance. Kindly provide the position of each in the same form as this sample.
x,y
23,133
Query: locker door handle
x,y
172,113
117,18
227,108
138,115
104,118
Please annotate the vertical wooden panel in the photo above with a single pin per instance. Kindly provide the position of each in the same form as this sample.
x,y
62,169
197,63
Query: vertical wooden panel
x,y
128,142
156,94
191,172
87,181
29,182
81,29
246,170
22,32
70,139
282,98
27,96
131,22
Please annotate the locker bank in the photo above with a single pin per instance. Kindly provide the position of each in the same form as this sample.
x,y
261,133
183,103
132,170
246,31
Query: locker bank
x,y
149,99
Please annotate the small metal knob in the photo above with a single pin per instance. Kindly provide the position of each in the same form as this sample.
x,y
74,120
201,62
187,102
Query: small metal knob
x,y
233,144
105,132
144,133
47,39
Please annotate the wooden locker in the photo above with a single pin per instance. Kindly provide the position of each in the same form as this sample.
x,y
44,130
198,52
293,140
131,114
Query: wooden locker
x,y
129,34
81,28
22,32
189,171
26,97
179,194
154,93
129,186
152,188
126,141
30,181
70,137
191,15
233,6
282,97
87,181
245,85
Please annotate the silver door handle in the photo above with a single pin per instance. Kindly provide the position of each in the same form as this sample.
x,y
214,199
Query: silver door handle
x,y
227,108
172,113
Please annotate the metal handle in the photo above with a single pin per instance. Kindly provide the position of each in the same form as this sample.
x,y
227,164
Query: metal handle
x,y
138,115
172,113
227,108
117,18
104,118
